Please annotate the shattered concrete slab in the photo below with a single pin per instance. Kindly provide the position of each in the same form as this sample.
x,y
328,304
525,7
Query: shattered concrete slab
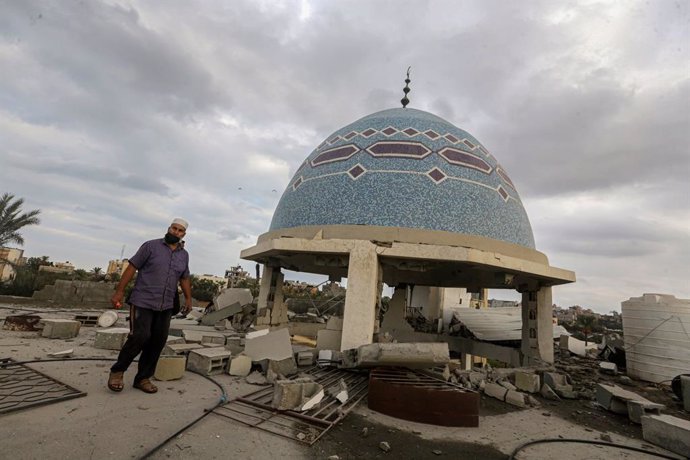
x,y
209,319
231,296
671,433
273,345
624,402
526,381
181,348
240,366
327,339
298,394
411,355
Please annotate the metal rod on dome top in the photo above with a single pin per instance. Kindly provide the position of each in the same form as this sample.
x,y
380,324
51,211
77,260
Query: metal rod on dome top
x,y
406,89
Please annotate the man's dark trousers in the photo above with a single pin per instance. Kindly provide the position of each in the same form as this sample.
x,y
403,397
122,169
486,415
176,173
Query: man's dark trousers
x,y
148,332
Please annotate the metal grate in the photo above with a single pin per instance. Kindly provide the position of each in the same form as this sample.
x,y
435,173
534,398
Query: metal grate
x,y
255,408
22,387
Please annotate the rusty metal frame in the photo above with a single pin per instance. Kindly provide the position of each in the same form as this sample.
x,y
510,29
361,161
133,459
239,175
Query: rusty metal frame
x,y
255,408
22,387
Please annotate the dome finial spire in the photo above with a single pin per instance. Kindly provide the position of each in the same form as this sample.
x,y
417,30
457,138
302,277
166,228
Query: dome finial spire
x,y
406,89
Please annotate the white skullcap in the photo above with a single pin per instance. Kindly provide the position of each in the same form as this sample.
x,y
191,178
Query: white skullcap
x,y
181,222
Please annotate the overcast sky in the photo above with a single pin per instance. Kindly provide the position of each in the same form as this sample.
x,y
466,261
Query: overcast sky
x,y
116,116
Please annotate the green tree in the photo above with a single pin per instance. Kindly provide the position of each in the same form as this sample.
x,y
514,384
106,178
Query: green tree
x,y
96,271
12,219
205,290
586,323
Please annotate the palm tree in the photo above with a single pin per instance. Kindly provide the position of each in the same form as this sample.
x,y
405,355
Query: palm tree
x,y
12,219
96,270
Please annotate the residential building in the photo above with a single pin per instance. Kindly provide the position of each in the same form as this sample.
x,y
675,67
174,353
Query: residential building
x,y
9,257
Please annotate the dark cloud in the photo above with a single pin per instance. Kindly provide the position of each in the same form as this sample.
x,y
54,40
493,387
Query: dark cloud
x,y
117,116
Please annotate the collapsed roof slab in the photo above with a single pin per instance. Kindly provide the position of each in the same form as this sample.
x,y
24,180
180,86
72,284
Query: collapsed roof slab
x,y
424,257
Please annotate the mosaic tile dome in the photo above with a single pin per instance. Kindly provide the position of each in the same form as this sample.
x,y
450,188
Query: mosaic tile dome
x,y
405,168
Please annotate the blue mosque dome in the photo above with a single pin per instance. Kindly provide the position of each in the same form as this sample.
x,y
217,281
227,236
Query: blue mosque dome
x,y
405,168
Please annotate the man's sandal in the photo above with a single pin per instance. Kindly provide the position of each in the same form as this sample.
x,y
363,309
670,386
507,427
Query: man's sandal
x,y
146,386
115,381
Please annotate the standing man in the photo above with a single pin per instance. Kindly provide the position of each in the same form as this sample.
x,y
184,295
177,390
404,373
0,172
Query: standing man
x,y
161,263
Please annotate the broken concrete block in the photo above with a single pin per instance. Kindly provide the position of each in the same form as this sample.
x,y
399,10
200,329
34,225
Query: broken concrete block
x,y
507,385
172,340
328,339
170,367
209,361
516,398
638,409
528,382
111,339
312,401
608,368
339,392
191,336
210,319
284,367
305,358
62,354
566,392
548,393
334,323
294,394
240,366
384,446
685,391
671,433
256,378
181,348
107,319
273,345
214,339
412,355
231,296
554,379
495,391
60,328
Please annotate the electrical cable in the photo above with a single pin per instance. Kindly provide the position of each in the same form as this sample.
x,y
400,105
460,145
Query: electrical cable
x,y
586,441
223,396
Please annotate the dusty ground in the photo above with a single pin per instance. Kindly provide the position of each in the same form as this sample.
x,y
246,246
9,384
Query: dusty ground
x,y
128,425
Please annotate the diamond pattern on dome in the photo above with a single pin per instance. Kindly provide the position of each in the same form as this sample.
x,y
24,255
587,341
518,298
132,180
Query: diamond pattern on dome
x,y
431,134
501,191
336,154
469,144
334,139
458,157
369,132
452,139
356,171
389,131
436,175
505,177
411,132
350,135
297,183
399,149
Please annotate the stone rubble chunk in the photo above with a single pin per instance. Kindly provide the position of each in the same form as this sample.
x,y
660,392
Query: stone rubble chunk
x,y
384,446
240,365
506,384
210,319
548,393
181,348
285,367
256,378
495,391
327,339
305,358
60,328
170,367
62,354
671,433
527,382
111,339
624,402
339,391
516,398
608,368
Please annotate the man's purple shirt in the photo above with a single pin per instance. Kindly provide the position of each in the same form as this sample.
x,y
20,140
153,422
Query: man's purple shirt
x,y
160,269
